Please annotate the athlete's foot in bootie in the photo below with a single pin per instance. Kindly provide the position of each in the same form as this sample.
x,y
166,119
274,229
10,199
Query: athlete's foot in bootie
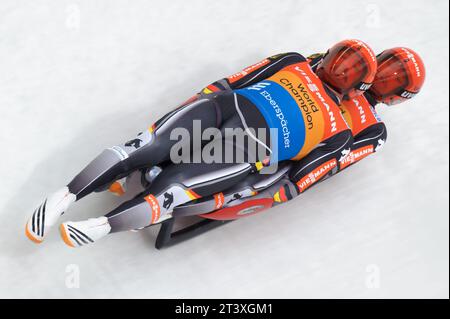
x,y
119,187
77,234
46,215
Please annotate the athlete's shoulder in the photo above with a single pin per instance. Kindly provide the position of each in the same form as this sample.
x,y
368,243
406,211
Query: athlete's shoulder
x,y
315,59
295,57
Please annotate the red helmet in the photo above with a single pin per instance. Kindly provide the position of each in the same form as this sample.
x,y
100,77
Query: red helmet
x,y
349,68
400,76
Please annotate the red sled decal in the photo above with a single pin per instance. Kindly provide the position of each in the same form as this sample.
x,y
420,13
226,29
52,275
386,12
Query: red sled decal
x,y
248,208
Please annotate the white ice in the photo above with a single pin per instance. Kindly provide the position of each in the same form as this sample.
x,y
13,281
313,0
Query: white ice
x,y
78,76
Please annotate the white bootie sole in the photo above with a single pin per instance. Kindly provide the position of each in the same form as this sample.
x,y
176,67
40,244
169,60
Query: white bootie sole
x,y
46,215
77,234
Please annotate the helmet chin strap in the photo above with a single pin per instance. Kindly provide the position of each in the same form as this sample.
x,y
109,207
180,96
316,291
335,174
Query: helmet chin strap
x,y
338,95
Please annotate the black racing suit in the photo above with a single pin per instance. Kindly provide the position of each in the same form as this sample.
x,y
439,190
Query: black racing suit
x,y
369,136
279,103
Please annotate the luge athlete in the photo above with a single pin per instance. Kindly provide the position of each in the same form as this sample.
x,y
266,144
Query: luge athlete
x,y
280,97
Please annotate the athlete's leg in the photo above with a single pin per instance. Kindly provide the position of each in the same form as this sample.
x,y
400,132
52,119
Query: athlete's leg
x,y
149,148
176,185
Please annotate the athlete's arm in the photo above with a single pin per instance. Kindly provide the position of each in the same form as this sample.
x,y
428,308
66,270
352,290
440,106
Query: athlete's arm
x,y
321,162
368,129
254,73
369,135
366,143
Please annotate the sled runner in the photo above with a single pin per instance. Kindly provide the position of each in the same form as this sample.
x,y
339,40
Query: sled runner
x,y
250,197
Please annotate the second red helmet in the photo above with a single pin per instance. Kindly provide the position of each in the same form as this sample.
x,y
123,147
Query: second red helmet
x,y
349,68
400,76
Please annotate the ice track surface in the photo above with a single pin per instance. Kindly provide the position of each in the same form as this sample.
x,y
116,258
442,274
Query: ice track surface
x,y
79,76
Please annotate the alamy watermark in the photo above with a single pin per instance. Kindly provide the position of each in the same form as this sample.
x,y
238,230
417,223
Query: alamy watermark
x,y
211,145
373,18
373,276
72,280
231,145
73,17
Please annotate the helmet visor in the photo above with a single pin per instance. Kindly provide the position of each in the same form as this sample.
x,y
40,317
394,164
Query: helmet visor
x,y
391,78
344,69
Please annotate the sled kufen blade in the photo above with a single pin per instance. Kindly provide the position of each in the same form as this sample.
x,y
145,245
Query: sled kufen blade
x,y
167,237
